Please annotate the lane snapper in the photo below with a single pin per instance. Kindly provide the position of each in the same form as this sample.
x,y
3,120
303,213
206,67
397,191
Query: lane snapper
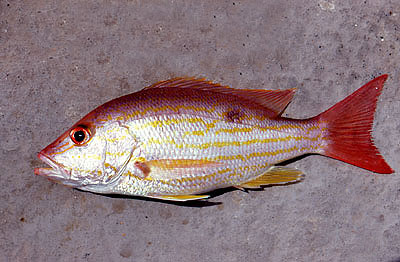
x,y
183,137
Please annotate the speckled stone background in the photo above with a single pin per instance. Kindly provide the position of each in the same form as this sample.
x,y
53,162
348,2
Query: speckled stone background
x,y
60,59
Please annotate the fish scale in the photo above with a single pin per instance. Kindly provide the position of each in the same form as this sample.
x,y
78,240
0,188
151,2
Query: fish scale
x,y
253,150
183,137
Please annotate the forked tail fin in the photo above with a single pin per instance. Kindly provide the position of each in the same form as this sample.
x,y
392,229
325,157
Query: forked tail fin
x,y
349,126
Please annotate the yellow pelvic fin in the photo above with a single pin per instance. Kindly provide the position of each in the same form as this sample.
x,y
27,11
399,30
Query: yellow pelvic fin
x,y
180,197
180,163
274,176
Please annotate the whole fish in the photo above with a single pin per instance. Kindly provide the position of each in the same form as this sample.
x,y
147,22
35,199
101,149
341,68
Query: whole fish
x,y
183,137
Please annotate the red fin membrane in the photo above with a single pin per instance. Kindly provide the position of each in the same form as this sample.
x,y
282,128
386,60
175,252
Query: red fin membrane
x,y
349,128
275,100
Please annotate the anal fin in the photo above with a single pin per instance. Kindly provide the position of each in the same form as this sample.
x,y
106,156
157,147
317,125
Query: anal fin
x,y
274,176
179,197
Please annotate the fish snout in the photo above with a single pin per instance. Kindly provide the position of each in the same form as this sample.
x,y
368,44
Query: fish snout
x,y
54,171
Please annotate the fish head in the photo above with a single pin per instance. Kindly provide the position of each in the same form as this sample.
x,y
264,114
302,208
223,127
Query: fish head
x,y
88,157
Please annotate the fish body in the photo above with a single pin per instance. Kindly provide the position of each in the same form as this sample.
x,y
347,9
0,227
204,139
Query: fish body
x,y
184,137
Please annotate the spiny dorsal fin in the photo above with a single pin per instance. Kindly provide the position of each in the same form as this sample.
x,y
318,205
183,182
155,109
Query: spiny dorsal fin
x,y
275,100
274,176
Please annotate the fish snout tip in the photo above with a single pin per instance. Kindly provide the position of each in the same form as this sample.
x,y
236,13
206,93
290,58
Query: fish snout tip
x,y
42,155
37,171
39,154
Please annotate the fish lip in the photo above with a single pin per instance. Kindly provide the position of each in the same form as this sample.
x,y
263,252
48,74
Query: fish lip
x,y
56,171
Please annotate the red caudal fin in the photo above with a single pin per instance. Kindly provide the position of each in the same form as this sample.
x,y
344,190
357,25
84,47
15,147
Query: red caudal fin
x,y
349,126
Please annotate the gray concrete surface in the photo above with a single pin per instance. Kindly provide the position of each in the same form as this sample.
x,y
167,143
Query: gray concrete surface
x,y
60,59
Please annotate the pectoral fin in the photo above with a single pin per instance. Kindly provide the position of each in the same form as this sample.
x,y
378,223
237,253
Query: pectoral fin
x,y
274,176
180,197
164,169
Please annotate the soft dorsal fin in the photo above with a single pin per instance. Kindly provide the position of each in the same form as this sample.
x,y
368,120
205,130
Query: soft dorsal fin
x,y
275,100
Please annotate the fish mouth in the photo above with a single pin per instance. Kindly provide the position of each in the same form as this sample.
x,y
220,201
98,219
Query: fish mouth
x,y
56,172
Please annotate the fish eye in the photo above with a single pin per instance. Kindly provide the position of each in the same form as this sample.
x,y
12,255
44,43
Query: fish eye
x,y
80,135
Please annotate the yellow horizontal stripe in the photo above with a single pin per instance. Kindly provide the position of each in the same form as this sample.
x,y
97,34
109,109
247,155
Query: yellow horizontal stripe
x,y
230,143
227,158
109,117
172,108
194,178
167,122
194,133
112,130
281,151
85,156
180,163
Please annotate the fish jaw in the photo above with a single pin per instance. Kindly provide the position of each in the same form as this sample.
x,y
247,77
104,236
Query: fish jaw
x,y
56,172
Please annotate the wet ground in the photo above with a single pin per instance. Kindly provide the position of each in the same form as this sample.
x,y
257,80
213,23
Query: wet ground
x,y
60,59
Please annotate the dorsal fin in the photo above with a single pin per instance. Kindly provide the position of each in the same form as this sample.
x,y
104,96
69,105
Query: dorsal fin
x,y
274,100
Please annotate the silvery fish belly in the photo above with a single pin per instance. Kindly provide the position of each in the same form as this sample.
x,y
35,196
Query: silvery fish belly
x,y
183,137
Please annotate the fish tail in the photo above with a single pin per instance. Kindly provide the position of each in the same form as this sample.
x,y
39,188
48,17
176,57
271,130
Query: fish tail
x,y
349,126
